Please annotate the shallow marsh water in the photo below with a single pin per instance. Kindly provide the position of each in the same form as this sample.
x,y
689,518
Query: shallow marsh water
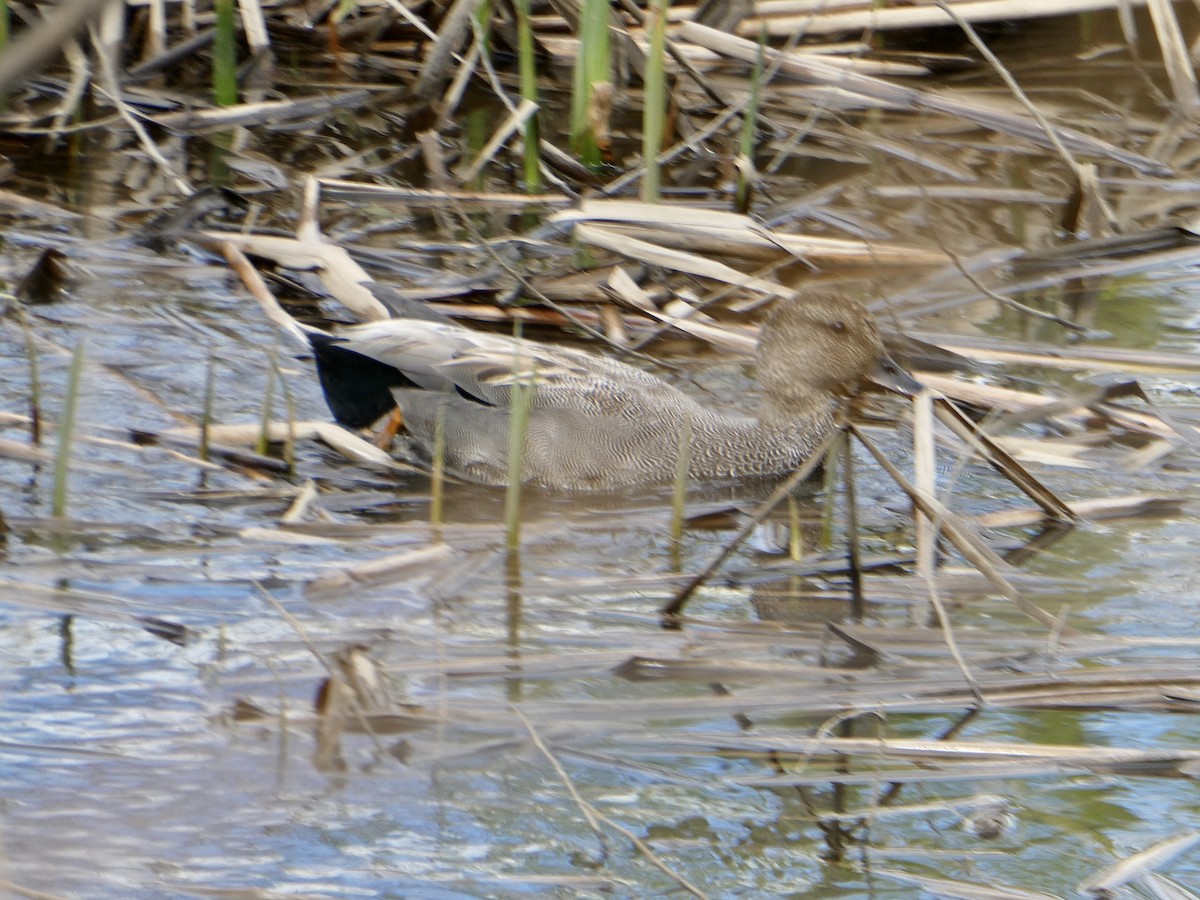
x,y
137,767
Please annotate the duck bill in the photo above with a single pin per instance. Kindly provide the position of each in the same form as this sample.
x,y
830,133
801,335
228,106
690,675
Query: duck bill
x,y
889,376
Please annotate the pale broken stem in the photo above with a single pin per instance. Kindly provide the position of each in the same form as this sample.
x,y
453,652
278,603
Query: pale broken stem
x,y
959,533
455,25
595,818
298,626
689,143
939,610
988,450
925,477
112,90
672,609
257,287
1101,884
458,85
308,227
1051,133
1176,58
81,72
510,126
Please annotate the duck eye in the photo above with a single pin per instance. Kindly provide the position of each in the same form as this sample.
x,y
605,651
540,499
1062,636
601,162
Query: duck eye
x,y
838,326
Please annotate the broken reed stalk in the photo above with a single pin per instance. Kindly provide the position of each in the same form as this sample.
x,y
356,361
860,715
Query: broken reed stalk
x,y
745,167
206,415
527,65
925,478
591,88
66,434
829,491
1010,82
654,101
224,55
858,606
960,534
671,611
795,534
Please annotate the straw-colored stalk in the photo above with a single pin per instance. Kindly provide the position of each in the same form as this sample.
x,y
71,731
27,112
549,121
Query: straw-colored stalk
x,y
66,434
795,532
745,170
592,85
527,64
829,489
654,100
224,55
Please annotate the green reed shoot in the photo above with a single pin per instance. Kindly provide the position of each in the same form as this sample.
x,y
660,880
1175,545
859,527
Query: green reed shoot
x,y
750,129
224,55
264,426
527,65
521,397
591,78
683,463
437,475
66,434
289,405
5,23
654,100
210,399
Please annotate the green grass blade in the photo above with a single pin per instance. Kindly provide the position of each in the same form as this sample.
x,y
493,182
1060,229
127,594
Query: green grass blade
x,y
264,431
206,415
437,475
66,434
224,55
683,462
654,100
750,129
518,429
527,64
591,78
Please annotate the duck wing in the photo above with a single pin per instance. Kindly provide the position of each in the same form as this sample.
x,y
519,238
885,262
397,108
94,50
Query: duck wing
x,y
481,367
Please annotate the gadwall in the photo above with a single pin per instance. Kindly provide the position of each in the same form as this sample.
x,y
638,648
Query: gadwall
x,y
596,424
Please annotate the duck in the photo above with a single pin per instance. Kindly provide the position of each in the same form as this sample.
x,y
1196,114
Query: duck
x,y
594,423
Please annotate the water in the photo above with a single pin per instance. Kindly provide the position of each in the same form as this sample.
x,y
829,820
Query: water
x,y
135,767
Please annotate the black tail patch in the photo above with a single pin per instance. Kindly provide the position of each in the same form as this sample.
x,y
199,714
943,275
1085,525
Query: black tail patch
x,y
358,389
